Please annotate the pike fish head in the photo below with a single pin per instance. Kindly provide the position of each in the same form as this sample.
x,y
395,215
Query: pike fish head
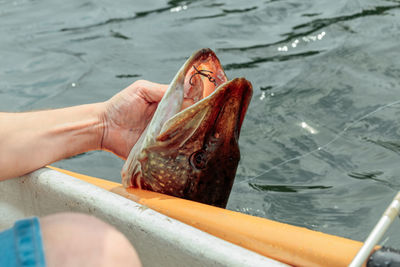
x,y
190,148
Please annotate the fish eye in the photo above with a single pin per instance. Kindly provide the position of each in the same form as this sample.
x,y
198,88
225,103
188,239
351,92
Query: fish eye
x,y
198,159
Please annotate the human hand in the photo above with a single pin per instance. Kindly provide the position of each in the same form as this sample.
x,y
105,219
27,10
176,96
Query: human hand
x,y
127,114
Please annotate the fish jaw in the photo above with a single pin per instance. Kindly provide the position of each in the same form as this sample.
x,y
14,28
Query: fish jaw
x,y
195,153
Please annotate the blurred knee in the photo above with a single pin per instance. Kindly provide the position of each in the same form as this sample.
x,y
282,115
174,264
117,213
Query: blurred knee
x,y
73,239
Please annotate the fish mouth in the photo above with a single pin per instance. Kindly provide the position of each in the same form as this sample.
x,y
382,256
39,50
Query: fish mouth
x,y
211,105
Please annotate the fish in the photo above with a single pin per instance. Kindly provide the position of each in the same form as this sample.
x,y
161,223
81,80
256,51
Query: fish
x,y
190,148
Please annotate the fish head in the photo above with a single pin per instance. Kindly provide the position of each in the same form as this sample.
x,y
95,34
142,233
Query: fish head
x,y
194,154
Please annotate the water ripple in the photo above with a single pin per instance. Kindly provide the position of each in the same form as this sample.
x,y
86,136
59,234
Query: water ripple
x,y
243,10
316,25
390,145
372,175
286,188
121,76
253,63
117,20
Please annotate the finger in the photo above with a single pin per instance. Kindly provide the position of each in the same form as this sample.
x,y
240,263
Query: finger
x,y
152,92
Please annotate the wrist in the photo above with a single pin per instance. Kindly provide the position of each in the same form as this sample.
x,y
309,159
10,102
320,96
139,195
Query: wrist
x,y
80,128
96,125
102,125
113,134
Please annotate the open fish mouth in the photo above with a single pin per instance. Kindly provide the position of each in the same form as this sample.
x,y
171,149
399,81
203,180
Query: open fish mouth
x,y
190,148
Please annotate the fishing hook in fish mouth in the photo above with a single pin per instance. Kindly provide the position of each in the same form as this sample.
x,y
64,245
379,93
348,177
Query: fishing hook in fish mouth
x,y
202,73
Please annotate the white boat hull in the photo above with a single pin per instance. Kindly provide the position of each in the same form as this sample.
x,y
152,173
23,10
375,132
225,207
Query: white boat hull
x,y
159,240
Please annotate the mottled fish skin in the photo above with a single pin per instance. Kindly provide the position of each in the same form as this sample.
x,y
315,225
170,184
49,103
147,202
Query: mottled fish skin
x,y
192,151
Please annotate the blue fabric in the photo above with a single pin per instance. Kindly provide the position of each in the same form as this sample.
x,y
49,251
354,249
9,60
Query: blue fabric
x,y
22,245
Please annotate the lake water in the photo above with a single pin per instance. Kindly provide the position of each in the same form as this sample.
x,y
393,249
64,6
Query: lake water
x,y
321,141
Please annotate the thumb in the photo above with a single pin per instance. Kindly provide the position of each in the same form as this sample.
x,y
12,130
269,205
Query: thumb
x,y
151,92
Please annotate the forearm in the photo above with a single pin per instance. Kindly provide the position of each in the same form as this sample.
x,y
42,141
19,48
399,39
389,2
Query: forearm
x,y
32,140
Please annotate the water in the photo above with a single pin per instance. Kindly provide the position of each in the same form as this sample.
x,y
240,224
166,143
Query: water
x,y
321,142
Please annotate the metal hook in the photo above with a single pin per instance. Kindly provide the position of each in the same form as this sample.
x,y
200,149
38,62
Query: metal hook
x,y
202,73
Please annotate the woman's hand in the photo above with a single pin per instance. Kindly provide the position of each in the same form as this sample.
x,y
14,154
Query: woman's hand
x,y
127,114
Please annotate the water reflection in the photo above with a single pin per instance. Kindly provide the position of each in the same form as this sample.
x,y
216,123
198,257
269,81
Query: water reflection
x,y
307,39
308,128
178,8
